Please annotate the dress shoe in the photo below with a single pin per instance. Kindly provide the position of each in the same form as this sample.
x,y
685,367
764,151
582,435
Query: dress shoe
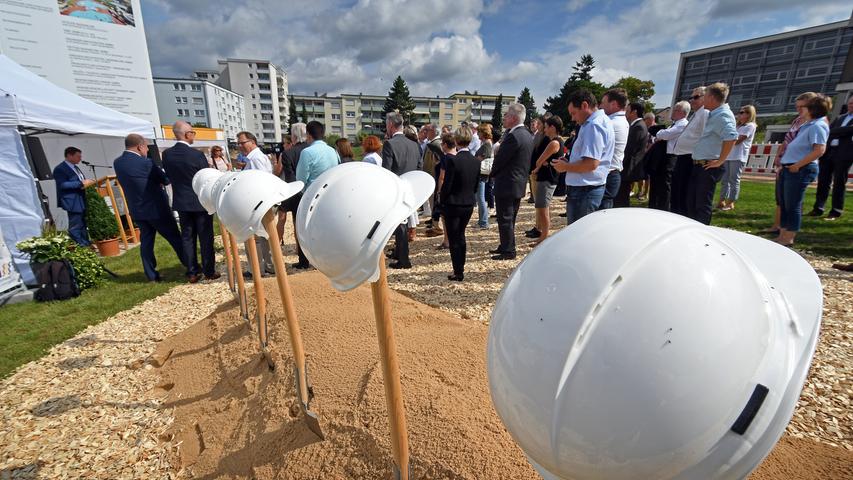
x,y
562,215
194,278
844,267
215,276
833,215
455,278
441,246
504,256
400,266
496,251
247,275
815,213
300,265
533,233
531,200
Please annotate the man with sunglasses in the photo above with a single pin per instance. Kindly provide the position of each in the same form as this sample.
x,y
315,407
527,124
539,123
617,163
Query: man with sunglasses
x,y
257,160
684,150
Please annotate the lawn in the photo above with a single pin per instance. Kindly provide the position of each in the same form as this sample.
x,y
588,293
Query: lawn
x,y
754,212
29,330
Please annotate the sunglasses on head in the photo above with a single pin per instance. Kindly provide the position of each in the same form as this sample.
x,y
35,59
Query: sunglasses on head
x,y
695,97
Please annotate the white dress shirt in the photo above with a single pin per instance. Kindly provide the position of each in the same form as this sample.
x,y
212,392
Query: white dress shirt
x,y
691,134
257,160
620,134
671,135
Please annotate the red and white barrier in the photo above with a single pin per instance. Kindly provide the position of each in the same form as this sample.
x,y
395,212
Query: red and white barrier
x,y
761,157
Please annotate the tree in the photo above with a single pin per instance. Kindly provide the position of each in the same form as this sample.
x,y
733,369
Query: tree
x,y
304,114
638,90
293,118
398,100
583,68
526,98
559,105
497,117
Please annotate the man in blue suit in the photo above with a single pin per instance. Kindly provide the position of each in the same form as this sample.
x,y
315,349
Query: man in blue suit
x,y
181,163
70,185
143,183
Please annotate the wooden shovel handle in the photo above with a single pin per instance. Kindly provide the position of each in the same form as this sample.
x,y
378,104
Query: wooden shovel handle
x,y
238,272
287,301
229,265
391,372
252,252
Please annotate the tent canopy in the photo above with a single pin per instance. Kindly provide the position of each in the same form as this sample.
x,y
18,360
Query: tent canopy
x,y
28,100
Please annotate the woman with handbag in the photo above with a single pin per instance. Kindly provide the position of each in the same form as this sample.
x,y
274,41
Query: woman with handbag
x,y
486,156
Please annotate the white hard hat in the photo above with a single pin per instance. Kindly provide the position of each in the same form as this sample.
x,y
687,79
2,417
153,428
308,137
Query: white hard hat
x,y
641,344
245,198
216,189
203,181
348,214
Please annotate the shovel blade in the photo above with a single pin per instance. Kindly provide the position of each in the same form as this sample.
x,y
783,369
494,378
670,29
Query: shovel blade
x,y
312,422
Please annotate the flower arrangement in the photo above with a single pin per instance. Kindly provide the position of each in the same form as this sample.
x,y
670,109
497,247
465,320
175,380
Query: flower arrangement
x,y
53,245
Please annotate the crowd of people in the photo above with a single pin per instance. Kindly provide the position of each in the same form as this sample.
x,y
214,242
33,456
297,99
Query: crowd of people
x,y
615,148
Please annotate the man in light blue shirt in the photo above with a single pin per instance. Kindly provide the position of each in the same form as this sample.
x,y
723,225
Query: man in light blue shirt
x,y
316,158
589,161
709,155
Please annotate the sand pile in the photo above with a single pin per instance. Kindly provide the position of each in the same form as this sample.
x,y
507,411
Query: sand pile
x,y
233,416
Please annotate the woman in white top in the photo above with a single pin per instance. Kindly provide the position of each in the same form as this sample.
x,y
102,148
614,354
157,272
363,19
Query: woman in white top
x,y
372,146
730,185
218,160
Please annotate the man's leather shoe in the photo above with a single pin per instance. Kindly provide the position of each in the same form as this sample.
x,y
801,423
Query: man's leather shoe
x,y
533,233
400,266
194,278
504,256
216,275
815,213
455,278
496,251
301,265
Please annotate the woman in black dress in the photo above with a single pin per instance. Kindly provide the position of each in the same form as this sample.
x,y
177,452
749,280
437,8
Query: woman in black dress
x,y
550,148
458,197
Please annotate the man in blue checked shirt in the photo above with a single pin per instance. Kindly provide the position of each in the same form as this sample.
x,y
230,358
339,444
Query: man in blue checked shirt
x,y
589,162
709,155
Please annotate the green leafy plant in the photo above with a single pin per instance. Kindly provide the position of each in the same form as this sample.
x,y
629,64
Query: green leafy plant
x,y
99,219
56,246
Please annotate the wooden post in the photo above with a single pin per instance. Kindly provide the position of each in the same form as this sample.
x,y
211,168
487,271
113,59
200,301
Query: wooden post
x,y
127,216
260,298
241,283
229,266
110,194
391,373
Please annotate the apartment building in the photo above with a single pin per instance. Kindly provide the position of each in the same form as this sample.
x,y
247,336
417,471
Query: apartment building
x,y
200,103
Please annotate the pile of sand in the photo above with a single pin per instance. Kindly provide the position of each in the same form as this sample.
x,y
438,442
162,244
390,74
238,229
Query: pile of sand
x,y
232,414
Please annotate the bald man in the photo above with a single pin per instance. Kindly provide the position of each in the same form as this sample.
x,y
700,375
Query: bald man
x,y
182,162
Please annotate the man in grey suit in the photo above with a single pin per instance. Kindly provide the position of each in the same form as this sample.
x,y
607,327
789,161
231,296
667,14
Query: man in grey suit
x,y
510,170
400,155
635,150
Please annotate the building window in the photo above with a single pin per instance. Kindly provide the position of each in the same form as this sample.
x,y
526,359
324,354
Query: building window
x,y
744,79
818,44
350,114
336,130
336,104
195,88
251,75
254,105
716,62
351,126
350,101
774,76
448,104
777,51
448,116
696,64
812,72
747,56
199,113
183,112
336,116
178,100
176,86
198,101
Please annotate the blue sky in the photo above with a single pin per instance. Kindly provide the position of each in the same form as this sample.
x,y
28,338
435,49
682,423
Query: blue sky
x,y
446,46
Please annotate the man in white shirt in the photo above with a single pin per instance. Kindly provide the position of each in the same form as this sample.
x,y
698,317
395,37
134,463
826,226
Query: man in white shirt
x,y
684,151
257,160
661,178
613,103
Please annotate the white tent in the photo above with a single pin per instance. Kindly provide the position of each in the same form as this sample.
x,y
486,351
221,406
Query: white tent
x,y
29,103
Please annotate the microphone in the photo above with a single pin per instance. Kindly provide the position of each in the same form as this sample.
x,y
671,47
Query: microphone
x,y
84,162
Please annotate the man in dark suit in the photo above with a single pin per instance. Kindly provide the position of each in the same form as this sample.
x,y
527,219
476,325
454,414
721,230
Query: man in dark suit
x,y
635,150
181,163
70,185
510,170
400,155
835,164
143,182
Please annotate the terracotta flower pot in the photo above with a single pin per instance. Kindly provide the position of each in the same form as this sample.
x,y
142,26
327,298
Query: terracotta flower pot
x,y
108,248
129,235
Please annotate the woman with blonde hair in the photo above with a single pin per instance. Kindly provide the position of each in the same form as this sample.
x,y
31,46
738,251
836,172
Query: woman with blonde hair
x,y
730,185
218,160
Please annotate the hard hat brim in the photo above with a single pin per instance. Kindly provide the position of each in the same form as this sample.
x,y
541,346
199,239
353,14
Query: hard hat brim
x,y
422,185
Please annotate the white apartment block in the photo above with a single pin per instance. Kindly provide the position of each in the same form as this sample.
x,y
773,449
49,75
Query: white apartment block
x,y
263,86
200,102
348,114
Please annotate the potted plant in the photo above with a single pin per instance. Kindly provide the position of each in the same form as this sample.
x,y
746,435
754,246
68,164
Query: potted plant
x,y
130,230
102,225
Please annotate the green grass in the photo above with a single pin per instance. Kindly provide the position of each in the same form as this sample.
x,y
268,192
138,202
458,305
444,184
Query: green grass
x,y
754,212
28,330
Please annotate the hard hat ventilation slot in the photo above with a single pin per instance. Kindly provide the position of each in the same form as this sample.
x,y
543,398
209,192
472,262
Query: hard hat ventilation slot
x,y
258,206
751,409
373,230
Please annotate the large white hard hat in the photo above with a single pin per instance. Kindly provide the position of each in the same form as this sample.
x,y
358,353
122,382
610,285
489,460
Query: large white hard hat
x,y
348,214
203,181
214,193
245,198
641,344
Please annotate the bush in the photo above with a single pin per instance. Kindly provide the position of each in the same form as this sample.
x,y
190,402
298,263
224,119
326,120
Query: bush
x,y
99,219
53,245
331,139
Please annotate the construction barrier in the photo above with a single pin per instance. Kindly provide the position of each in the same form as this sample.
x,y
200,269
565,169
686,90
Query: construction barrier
x,y
761,158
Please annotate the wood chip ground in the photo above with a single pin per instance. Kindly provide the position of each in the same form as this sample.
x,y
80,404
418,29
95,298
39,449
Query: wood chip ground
x,y
91,409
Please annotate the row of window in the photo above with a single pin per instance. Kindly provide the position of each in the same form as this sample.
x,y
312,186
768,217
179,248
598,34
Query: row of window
x,y
184,112
196,100
810,46
183,87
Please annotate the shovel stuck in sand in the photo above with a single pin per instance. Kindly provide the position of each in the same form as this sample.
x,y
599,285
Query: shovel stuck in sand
x,y
261,300
241,283
391,374
229,264
303,389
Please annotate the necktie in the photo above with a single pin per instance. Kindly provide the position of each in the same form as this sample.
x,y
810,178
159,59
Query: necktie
x,y
79,173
